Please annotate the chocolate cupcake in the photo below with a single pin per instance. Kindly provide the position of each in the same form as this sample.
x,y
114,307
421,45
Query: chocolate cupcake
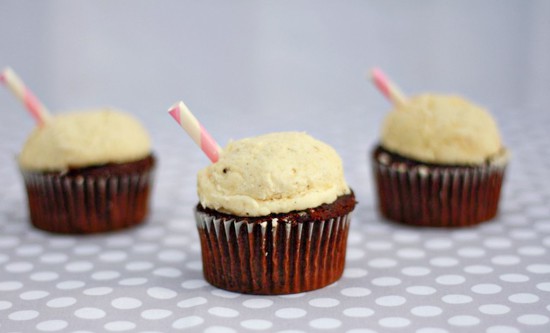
x,y
88,172
440,163
274,215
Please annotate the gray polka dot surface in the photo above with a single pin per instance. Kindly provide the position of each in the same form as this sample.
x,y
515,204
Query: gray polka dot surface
x,y
493,278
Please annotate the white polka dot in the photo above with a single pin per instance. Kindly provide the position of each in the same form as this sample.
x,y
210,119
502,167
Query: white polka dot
x,y
486,289
471,252
105,275
10,285
171,256
523,298
379,245
8,241
220,329
225,293
23,315
522,234
223,312
355,292
133,281
54,258
194,284
120,326
256,324
29,250
382,263
394,322
533,319
421,290
161,293
431,330
3,258
62,241
531,250
89,313
139,266
86,249
354,238
194,265
5,305
456,299
33,295
391,300
358,312
70,284
258,303
325,323
169,272
299,294
415,271
411,253
19,267
113,256
494,309
386,281
444,262
126,303
155,314
354,272
463,321
514,278
51,325
354,254
539,268
146,247
497,243
191,302
79,266
405,237
478,269
98,291
426,311
505,260
450,280
119,241
44,276
502,329
61,302
544,286
438,244
290,313
324,302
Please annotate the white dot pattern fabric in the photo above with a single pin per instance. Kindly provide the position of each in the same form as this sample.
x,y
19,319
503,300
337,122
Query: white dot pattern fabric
x,y
491,278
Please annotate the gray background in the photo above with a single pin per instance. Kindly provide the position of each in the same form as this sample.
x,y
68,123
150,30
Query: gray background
x,y
251,67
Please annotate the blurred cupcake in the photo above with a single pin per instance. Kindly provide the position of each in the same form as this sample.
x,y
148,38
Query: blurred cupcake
x,y
274,214
88,172
440,163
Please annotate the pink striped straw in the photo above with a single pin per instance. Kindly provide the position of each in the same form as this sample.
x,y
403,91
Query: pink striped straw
x,y
39,112
191,125
388,88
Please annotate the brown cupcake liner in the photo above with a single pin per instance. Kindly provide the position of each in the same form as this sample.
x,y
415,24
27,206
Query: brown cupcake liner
x,y
89,201
272,257
433,195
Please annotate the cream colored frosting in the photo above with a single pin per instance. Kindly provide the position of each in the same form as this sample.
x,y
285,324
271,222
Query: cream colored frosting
x,y
443,130
85,138
272,173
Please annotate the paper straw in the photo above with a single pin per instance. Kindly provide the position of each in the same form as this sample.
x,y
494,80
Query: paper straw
x,y
39,112
388,88
196,131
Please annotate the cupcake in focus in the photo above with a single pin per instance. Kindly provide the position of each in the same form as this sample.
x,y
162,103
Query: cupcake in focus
x,y
274,215
87,172
440,163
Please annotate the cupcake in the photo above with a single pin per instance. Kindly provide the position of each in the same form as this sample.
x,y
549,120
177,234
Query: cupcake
x,y
87,172
274,215
440,163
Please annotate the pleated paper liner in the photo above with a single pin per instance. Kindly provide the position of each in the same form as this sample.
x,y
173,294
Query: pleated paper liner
x,y
90,200
276,256
432,195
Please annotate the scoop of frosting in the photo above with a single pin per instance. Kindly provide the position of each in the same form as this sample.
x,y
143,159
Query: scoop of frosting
x,y
85,138
272,173
443,130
